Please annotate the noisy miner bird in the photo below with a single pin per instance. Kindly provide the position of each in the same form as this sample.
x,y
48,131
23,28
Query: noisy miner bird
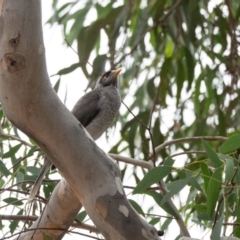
x,y
95,111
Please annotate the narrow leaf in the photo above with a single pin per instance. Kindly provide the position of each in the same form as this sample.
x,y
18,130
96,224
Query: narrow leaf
x,y
12,151
152,177
3,169
136,207
231,144
205,174
81,216
158,199
13,201
176,187
212,155
229,166
213,191
217,229
68,69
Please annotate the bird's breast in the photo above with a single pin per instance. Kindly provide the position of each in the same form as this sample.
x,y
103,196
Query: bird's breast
x,y
109,105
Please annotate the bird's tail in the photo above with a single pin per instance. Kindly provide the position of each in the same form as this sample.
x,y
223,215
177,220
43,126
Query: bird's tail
x,y
39,180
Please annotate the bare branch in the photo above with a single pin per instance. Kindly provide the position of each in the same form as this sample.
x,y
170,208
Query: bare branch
x,y
34,218
189,139
12,137
187,152
135,162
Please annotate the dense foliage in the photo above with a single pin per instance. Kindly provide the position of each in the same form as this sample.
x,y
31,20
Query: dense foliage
x,y
180,80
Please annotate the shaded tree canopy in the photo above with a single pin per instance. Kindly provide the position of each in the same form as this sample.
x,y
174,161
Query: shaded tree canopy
x,y
180,82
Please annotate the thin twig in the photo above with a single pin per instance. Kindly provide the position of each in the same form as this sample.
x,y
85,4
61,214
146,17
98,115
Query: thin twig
x,y
156,215
147,128
12,137
135,162
57,229
44,200
144,125
85,59
34,218
150,122
189,139
187,152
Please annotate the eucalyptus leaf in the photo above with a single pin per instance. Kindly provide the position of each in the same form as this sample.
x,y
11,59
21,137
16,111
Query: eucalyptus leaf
x,y
153,176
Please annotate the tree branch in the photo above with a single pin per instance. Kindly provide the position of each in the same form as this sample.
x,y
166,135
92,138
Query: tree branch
x,y
31,104
34,218
189,139
135,162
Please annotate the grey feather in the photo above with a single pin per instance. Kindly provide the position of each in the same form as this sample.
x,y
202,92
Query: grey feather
x,y
86,109
95,111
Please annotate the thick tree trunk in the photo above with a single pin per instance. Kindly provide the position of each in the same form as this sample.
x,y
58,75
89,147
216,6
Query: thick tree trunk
x,y
31,105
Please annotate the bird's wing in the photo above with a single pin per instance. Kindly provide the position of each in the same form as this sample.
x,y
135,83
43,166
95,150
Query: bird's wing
x,y
87,108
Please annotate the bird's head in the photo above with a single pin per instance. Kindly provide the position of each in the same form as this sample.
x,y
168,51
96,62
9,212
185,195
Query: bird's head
x,y
109,78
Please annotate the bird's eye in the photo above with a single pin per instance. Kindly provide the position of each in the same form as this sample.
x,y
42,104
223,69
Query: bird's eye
x,y
106,75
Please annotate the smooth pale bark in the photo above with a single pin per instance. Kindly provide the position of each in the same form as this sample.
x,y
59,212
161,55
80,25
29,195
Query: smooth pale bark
x,y
30,104
59,213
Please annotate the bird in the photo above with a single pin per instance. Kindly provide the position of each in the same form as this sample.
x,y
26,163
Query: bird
x,y
95,111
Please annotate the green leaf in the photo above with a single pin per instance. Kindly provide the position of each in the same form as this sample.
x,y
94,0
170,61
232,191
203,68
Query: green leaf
x,y
4,170
212,155
56,15
57,85
153,176
229,167
166,223
33,170
79,17
81,216
2,182
176,187
136,207
13,225
46,237
206,175
237,229
151,89
19,177
31,151
180,78
168,162
13,201
12,151
213,191
98,66
169,48
158,199
217,229
237,177
195,184
68,69
154,221
231,144
131,137
90,35
222,122
190,63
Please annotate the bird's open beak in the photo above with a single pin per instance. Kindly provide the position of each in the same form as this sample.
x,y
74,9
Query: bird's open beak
x,y
116,72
